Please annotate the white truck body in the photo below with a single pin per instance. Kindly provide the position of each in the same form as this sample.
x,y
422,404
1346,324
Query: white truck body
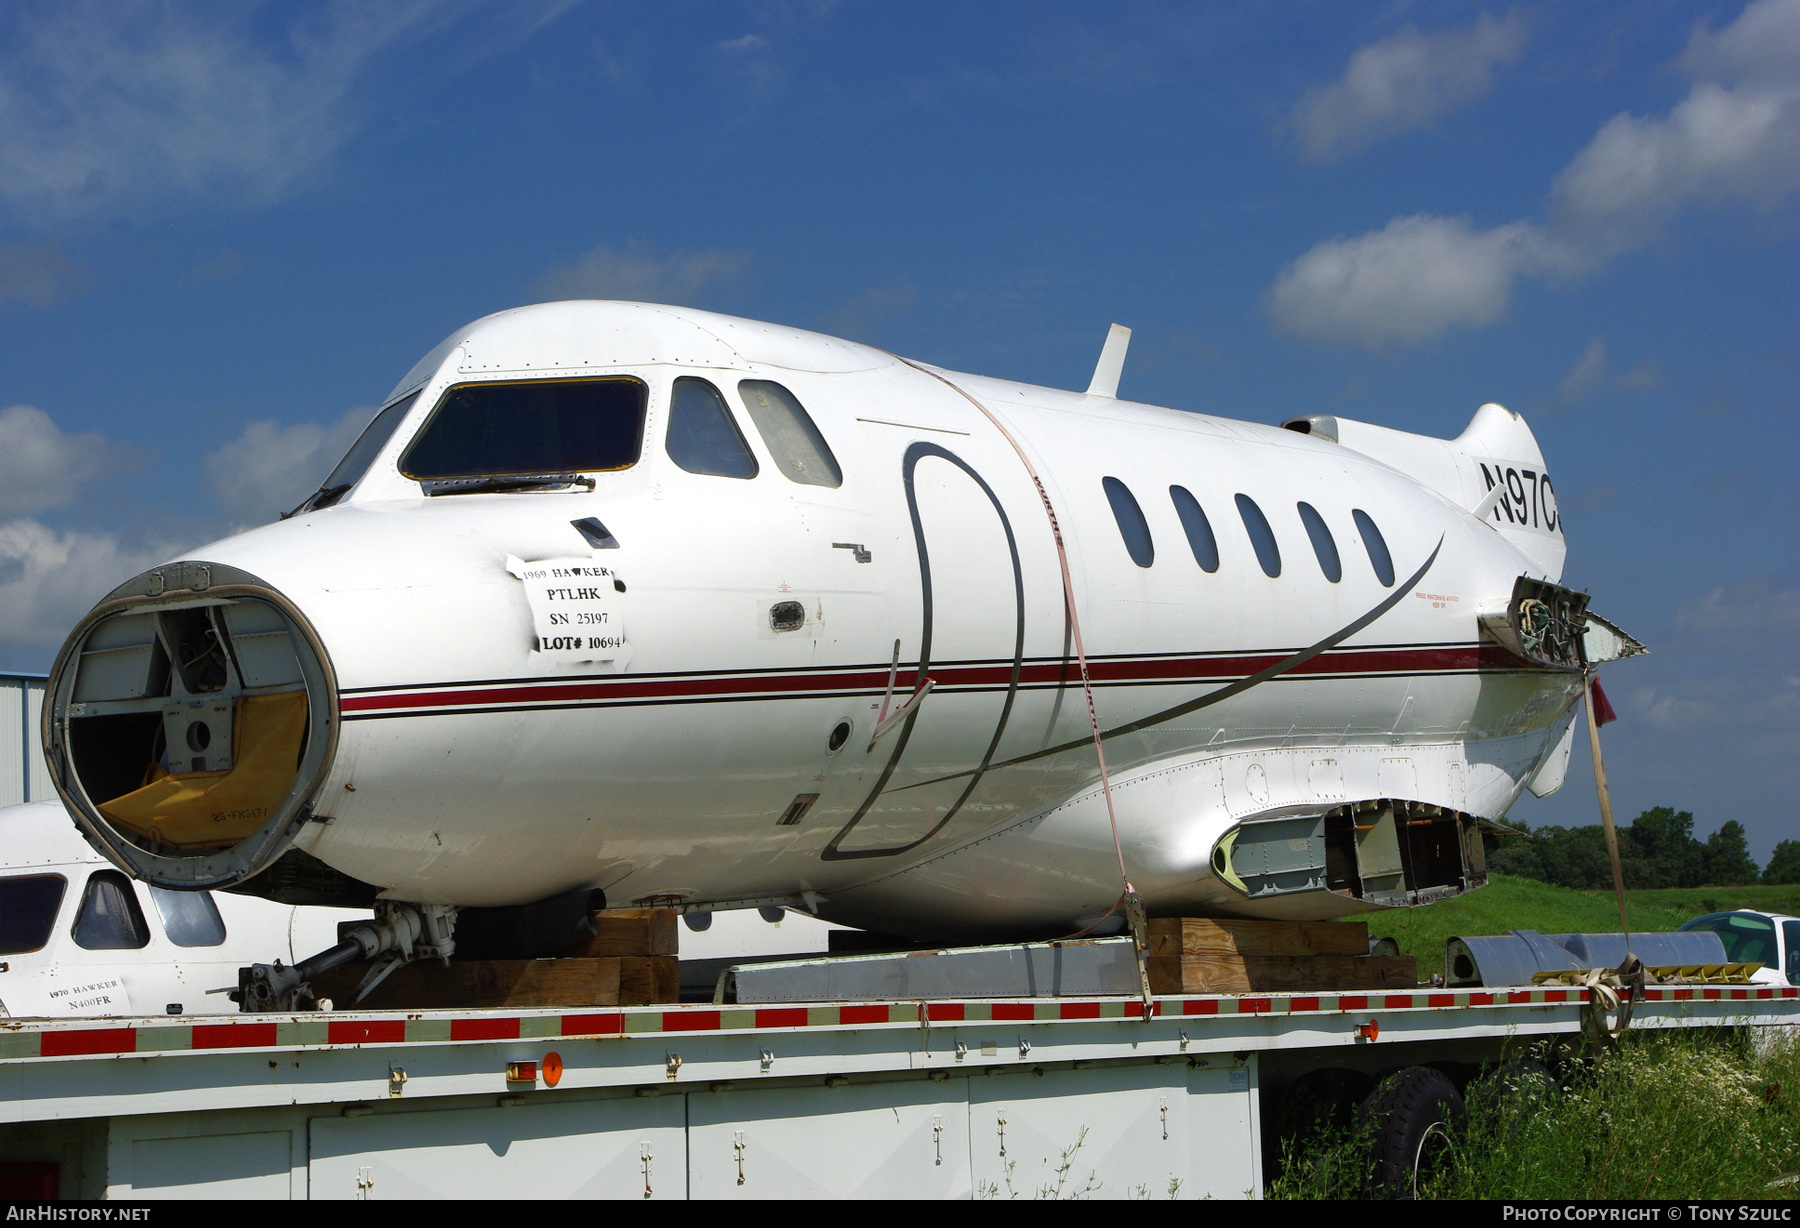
x,y
947,1099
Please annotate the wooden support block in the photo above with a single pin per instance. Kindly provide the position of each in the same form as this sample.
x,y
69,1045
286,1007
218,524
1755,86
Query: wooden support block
x,y
1231,936
644,981
630,931
1279,973
511,983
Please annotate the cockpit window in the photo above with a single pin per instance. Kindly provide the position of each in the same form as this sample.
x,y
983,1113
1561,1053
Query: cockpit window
x,y
1322,543
702,437
190,918
531,427
110,919
1132,525
798,449
361,455
28,904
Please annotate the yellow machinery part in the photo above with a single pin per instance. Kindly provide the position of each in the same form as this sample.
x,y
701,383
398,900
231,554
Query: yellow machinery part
x,y
200,810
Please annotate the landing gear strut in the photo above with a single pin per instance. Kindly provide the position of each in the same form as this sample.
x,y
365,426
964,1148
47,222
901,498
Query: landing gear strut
x,y
398,934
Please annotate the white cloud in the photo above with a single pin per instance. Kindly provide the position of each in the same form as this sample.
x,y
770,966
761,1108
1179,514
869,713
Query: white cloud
x,y
639,273
865,315
1736,136
1761,47
1720,143
50,577
108,108
1749,608
42,466
1402,83
270,468
1405,283
1588,373
39,274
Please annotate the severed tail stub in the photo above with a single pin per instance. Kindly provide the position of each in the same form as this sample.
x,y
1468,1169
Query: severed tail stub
x,y
1140,945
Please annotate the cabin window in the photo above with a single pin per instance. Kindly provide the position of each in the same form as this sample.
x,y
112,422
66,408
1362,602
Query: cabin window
x,y
1376,545
190,918
1790,934
110,919
28,904
1132,525
531,427
1322,542
794,443
702,437
1261,535
1197,527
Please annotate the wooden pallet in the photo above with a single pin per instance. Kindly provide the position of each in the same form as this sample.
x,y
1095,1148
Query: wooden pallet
x,y
1223,955
629,961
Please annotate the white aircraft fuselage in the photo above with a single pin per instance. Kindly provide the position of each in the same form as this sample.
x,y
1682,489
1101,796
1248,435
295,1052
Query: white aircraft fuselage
x,y
675,681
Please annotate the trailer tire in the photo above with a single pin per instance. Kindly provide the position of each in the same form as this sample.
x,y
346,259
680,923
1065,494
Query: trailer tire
x,y
1406,1119
1327,1096
1524,1076
1322,1100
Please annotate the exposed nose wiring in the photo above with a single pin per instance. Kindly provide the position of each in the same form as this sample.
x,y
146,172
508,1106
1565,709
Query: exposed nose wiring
x,y
1128,898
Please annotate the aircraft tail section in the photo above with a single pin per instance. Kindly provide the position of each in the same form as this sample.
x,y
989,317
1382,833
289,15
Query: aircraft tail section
x,y
1494,470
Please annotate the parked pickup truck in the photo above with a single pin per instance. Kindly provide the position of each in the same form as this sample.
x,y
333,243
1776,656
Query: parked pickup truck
x,y
1767,938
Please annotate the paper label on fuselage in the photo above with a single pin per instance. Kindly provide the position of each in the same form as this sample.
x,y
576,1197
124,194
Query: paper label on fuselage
x,y
575,610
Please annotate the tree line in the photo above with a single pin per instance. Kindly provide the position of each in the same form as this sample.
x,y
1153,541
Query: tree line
x,y
1658,849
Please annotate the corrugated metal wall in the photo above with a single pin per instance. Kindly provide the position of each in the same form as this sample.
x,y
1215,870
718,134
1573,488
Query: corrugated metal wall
x,y
24,777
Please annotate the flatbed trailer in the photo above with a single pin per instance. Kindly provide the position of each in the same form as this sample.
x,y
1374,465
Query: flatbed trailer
x,y
940,1099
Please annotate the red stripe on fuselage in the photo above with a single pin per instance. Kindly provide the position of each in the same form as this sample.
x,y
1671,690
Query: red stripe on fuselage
x,y
981,675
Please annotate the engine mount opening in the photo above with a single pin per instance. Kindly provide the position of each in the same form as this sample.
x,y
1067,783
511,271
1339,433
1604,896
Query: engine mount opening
x,y
192,717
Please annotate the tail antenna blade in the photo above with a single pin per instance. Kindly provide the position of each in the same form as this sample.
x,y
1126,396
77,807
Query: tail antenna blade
x,y
1112,362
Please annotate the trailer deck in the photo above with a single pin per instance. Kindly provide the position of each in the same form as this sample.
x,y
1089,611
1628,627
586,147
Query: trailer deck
x,y
979,1097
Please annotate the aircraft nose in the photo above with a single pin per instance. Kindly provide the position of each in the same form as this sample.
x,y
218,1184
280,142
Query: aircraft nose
x,y
190,718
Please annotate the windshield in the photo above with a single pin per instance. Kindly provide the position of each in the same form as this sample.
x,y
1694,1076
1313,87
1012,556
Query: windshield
x,y
28,905
531,427
361,455
1748,938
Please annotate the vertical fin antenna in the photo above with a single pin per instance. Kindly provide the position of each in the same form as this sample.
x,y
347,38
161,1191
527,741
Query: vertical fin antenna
x,y
1112,362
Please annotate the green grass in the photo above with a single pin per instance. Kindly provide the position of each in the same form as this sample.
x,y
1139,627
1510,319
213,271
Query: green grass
x,y
1508,903
1709,1114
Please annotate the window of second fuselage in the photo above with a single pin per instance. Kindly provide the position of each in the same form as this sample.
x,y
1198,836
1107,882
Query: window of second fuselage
x,y
702,437
1322,543
531,427
1262,537
1132,525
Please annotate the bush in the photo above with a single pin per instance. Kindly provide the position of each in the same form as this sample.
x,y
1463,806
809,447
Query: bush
x,y
1692,1114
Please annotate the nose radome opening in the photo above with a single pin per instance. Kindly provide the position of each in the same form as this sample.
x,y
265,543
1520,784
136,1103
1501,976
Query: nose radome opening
x,y
192,718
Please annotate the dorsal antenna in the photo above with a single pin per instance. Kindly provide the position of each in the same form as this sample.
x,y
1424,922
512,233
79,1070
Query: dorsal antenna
x,y
1112,362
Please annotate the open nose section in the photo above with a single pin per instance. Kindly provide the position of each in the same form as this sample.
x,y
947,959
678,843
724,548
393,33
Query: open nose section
x,y
1385,852
191,718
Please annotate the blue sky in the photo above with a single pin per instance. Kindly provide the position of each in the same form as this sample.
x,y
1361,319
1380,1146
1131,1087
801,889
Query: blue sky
x,y
226,230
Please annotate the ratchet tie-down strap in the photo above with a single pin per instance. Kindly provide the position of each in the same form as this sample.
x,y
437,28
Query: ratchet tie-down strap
x,y
1128,898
